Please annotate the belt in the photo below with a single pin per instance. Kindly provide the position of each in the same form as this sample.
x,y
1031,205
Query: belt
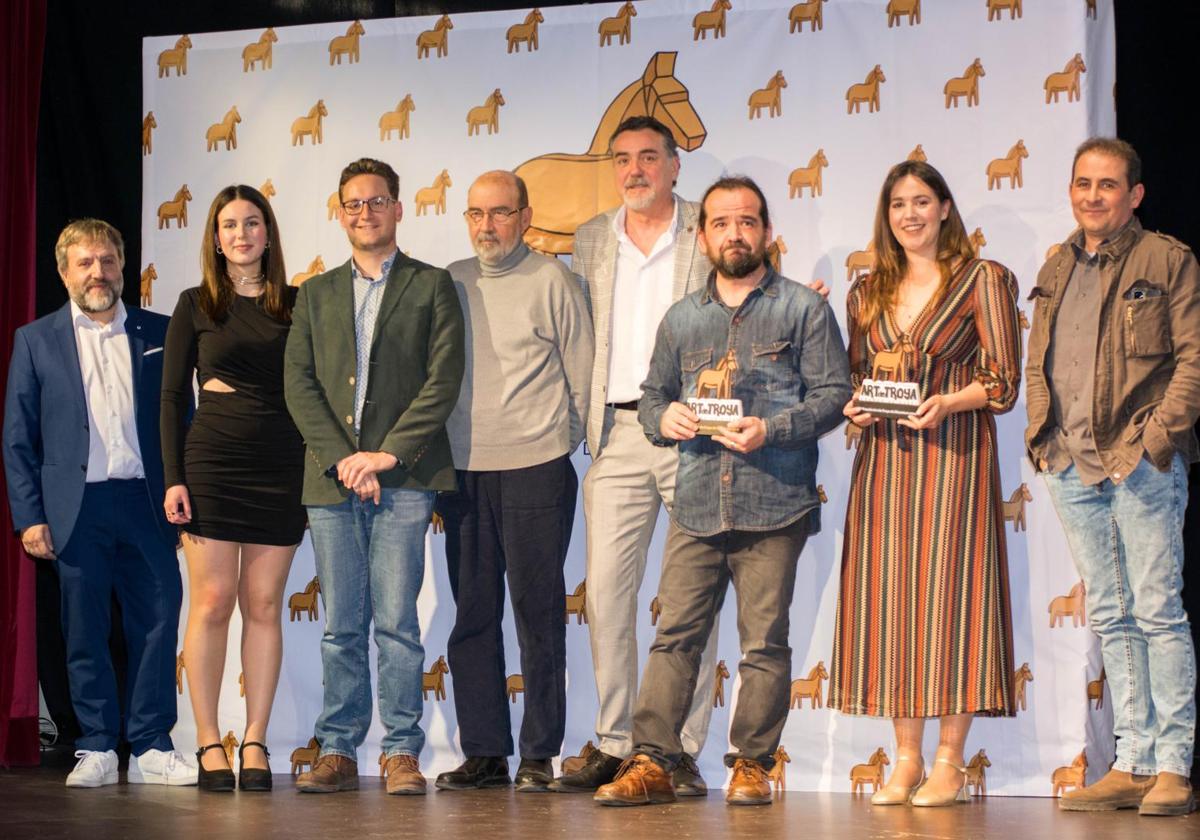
x,y
631,405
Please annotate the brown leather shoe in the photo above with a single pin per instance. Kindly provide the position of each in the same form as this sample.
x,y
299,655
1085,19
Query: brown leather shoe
x,y
404,776
639,781
749,784
1117,789
329,774
1171,796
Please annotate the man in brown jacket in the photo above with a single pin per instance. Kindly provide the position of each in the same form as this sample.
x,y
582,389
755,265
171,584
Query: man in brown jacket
x,y
1113,394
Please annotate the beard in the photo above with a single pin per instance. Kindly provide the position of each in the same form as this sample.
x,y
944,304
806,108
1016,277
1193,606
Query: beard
x,y
490,250
99,299
642,201
739,262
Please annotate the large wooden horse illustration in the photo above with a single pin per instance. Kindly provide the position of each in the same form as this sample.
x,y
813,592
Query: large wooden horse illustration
x,y
565,190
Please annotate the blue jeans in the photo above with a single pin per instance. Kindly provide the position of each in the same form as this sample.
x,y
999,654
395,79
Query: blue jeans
x,y
370,562
1127,541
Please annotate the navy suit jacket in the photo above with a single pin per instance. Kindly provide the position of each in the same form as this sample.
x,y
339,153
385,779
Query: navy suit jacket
x,y
46,420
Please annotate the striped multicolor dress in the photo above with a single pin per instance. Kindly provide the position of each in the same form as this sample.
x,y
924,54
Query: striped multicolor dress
x,y
923,622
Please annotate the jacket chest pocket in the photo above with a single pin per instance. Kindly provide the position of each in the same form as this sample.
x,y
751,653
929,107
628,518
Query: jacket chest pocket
x,y
772,365
1147,326
691,366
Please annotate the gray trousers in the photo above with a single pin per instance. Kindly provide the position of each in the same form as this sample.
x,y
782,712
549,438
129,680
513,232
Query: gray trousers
x,y
623,491
696,574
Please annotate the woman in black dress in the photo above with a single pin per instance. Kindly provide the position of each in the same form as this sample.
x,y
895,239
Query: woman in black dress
x,y
234,474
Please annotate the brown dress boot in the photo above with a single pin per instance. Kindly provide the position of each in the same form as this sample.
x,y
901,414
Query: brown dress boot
x,y
748,785
1171,796
329,773
639,782
404,776
1117,789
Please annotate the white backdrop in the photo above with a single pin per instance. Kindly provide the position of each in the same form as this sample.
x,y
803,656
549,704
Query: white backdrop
x,y
554,97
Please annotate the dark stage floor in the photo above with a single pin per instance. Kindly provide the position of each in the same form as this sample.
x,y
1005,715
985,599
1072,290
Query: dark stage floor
x,y
34,804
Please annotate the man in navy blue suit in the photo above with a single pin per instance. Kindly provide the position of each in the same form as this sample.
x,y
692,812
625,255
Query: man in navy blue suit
x,y
85,484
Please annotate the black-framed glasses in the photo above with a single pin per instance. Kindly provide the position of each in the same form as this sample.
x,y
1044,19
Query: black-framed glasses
x,y
498,215
379,203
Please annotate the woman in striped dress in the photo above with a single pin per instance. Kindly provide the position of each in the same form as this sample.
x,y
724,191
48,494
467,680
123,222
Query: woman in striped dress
x,y
923,624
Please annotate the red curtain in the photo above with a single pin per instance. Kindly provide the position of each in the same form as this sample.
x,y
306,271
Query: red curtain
x,y
23,28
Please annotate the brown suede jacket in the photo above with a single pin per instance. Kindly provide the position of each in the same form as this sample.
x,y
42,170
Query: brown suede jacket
x,y
1147,391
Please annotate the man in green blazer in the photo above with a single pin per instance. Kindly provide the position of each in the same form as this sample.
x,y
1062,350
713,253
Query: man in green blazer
x,y
373,368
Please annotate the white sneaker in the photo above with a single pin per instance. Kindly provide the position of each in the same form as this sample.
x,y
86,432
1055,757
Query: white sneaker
x,y
94,769
159,767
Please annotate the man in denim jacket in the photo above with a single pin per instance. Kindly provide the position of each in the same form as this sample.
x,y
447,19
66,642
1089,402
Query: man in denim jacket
x,y
745,499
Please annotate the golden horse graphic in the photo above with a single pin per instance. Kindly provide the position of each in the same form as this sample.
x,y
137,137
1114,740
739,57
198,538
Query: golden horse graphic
x,y
717,383
346,45
435,680
242,684
1095,690
821,491
719,678
314,268
259,52
577,605
1067,81
333,204
175,57
175,209
267,189
306,601
777,775
486,114
1073,776
890,362
775,251
978,240
433,196
655,610
525,32
575,763
310,125
713,19
918,154
397,120
1008,167
436,39
965,85
995,7
1022,319
768,97
1014,507
1021,676
148,126
853,435
568,189
809,687
896,8
1071,604
179,672
809,10
867,92
976,777
619,26
870,773
514,685
808,176
146,289
224,131
304,756
229,743
860,262
1090,12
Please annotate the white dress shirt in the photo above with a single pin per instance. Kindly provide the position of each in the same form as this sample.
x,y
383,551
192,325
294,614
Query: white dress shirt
x,y
107,370
643,291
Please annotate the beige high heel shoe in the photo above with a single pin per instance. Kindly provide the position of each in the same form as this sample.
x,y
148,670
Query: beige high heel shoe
x,y
921,799
890,795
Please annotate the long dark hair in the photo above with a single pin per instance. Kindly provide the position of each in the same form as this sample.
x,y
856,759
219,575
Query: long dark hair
x,y
216,289
890,261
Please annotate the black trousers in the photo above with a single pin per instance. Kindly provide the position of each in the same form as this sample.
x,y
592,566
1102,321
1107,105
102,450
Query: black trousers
x,y
515,523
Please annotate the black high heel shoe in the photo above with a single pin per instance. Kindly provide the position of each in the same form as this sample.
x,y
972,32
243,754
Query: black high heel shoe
x,y
253,778
219,781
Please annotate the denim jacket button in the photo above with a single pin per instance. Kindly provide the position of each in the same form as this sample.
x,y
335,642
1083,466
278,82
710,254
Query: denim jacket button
x,y
726,478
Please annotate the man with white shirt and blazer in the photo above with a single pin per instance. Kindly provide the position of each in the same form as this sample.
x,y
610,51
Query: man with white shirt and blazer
x,y
85,484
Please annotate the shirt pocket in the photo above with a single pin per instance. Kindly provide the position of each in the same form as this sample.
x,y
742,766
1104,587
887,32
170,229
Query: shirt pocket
x,y
690,365
771,364
1147,325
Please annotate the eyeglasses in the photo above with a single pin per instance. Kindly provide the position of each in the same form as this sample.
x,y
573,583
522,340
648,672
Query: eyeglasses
x,y
379,203
498,215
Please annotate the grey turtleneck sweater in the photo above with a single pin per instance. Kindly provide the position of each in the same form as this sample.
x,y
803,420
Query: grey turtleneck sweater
x,y
529,362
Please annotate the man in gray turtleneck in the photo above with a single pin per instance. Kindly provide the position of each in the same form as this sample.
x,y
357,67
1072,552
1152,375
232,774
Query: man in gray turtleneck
x,y
520,414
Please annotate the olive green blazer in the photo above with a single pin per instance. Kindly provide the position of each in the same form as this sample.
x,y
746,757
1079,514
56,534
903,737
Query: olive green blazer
x,y
416,368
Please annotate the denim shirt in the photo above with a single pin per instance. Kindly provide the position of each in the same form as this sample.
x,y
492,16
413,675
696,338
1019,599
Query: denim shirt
x,y
792,371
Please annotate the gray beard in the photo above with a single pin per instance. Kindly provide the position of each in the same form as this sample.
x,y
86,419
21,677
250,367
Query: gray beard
x,y
492,253
109,299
